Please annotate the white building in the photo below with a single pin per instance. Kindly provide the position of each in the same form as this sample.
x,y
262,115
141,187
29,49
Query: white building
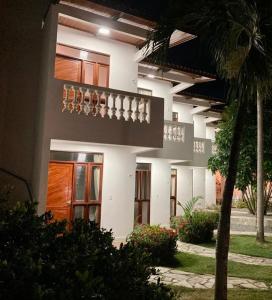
x,y
116,141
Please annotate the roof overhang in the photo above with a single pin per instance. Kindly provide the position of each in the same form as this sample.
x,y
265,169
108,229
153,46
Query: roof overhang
x,y
89,16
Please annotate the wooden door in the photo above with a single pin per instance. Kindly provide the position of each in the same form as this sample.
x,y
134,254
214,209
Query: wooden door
x,y
173,193
59,194
68,68
142,195
89,73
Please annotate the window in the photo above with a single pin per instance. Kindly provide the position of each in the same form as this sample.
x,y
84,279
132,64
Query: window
x,y
82,66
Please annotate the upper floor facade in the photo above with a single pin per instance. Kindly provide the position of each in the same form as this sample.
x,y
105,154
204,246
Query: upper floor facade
x,y
97,86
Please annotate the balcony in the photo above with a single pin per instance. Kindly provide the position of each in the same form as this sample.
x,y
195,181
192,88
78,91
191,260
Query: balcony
x,y
202,152
95,114
177,144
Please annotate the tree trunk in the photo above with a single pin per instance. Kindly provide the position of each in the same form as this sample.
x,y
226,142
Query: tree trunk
x,y
223,234
260,183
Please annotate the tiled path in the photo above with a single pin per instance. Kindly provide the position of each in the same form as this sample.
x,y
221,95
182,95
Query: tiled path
x,y
192,280
209,252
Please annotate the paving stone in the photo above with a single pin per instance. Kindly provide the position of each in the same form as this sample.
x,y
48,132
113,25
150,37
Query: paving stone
x,y
191,280
203,251
248,285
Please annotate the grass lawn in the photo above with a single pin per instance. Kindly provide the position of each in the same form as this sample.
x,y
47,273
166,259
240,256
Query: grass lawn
x,y
206,265
233,294
247,245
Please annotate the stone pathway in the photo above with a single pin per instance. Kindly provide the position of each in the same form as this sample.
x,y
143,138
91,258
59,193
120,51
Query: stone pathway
x,y
209,252
197,281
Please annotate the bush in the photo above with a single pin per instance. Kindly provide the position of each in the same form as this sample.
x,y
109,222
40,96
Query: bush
x,y
160,243
175,222
199,227
40,259
240,203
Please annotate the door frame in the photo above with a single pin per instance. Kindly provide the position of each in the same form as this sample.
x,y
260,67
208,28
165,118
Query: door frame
x,y
87,187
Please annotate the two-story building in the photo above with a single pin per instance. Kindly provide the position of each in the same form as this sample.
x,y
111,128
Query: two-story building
x,y
119,140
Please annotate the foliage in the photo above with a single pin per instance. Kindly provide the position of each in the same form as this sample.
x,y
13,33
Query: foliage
x,y
246,179
40,259
175,222
161,243
199,227
188,207
240,203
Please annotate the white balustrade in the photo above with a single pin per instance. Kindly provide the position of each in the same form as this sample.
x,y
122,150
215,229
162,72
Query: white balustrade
x,y
174,132
106,103
199,146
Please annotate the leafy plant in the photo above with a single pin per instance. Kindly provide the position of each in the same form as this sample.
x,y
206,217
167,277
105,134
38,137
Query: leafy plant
x,y
240,203
160,243
246,179
199,227
188,207
40,259
175,222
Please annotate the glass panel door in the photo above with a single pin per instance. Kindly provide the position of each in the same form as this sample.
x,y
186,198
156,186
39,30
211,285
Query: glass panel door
x,y
80,182
95,183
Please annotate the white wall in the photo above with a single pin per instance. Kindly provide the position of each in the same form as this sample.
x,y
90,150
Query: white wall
x,y
184,112
199,185
210,189
123,69
184,186
160,190
210,133
199,126
117,211
161,89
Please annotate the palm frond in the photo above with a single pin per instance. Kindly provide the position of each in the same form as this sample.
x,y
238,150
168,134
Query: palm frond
x,y
188,207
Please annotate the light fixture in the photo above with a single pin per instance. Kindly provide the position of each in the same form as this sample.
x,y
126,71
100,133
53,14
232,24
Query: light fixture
x,y
151,76
104,31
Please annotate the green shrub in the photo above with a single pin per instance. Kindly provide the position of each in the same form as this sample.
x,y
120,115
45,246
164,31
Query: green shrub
x,y
175,222
240,203
199,227
40,259
160,243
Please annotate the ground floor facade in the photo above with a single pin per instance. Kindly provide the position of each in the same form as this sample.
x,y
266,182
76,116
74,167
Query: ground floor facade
x,y
118,187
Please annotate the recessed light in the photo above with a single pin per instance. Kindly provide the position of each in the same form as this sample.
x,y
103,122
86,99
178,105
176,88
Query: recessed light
x,y
151,76
104,31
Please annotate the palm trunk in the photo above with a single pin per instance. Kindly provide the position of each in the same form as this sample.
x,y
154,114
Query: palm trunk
x,y
260,183
223,234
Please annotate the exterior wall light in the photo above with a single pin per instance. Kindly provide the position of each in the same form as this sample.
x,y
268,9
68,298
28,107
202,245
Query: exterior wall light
x,y
151,76
103,31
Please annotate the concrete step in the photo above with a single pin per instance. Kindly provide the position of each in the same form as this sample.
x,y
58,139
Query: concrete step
x,y
247,222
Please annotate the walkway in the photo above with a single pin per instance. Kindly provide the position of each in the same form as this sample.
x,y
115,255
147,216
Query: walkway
x,y
197,281
210,252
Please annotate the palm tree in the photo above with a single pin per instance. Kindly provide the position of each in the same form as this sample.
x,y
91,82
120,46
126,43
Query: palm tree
x,y
260,172
238,35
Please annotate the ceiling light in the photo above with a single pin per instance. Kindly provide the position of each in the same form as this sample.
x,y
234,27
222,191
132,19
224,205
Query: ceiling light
x,y
151,76
104,31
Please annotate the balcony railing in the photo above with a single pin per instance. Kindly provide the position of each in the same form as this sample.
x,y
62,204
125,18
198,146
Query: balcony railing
x,y
106,103
174,131
199,146
87,113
